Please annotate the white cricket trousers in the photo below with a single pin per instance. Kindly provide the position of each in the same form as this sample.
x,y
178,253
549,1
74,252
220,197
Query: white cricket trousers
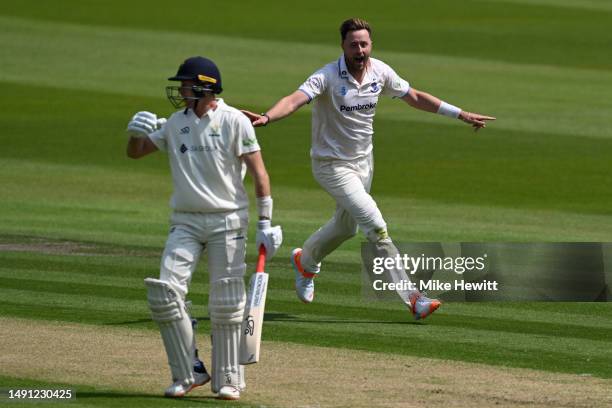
x,y
222,235
349,183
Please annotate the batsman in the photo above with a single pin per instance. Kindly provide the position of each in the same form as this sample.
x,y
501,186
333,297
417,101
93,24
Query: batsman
x,y
210,147
344,95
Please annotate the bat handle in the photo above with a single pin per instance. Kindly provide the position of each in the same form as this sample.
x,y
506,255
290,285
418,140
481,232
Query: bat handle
x,y
261,259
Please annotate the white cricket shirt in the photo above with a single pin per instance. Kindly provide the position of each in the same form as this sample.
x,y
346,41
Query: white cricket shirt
x,y
204,155
343,110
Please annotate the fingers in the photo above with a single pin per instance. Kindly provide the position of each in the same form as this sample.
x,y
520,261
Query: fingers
x,y
477,120
252,116
247,113
256,119
142,124
160,122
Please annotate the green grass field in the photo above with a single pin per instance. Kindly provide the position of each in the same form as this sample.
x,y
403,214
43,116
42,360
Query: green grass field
x,y
81,225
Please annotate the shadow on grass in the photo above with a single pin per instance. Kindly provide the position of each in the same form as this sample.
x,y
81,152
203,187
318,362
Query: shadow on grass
x,y
284,317
146,399
278,317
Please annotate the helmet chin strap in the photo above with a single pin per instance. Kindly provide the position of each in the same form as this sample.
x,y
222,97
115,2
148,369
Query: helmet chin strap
x,y
195,106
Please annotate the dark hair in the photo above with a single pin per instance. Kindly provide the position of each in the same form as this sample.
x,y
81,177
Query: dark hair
x,y
353,24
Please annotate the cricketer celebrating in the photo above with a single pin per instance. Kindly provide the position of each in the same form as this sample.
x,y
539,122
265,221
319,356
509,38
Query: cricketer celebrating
x,y
344,95
210,146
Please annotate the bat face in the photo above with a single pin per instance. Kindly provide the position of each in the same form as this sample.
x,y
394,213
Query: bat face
x,y
253,320
259,286
249,330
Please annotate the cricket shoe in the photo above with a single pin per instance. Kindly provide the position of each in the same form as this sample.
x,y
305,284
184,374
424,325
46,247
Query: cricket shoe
x,y
304,281
178,389
228,392
421,306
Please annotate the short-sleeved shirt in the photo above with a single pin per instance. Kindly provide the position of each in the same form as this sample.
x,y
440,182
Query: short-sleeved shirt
x,y
204,155
343,110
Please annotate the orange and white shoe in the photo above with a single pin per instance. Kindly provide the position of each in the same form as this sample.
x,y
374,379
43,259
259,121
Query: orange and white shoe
x,y
304,281
178,389
228,392
421,306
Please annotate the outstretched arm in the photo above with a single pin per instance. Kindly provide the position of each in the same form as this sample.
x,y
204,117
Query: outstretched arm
x,y
283,108
429,103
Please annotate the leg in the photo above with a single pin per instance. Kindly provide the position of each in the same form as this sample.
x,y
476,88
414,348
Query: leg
x,y
227,300
200,374
342,179
349,184
167,303
325,240
307,262
363,209
180,258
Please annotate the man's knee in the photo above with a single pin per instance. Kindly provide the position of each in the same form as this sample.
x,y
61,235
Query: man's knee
x,y
176,268
169,311
378,235
227,299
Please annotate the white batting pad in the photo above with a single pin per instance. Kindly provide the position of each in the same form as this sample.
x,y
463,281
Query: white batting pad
x,y
194,326
168,310
226,308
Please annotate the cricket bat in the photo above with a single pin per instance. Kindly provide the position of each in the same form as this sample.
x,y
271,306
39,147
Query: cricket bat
x,y
250,341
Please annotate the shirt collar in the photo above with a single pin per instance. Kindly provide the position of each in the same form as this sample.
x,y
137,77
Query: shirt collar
x,y
212,113
342,69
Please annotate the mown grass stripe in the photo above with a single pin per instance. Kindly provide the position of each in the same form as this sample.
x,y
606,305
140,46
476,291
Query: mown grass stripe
x,y
433,347
102,294
503,30
560,92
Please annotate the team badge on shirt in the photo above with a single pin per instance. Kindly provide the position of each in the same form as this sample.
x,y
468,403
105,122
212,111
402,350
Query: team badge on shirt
x,y
374,87
215,130
342,91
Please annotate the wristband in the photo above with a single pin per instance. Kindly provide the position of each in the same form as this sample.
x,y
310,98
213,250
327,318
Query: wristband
x,y
266,115
264,207
449,110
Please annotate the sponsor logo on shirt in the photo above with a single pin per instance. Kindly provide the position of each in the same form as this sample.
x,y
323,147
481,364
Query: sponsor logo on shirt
x,y
249,142
185,130
367,106
197,148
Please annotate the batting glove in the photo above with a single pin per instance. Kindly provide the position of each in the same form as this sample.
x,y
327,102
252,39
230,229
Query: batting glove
x,y
268,236
144,123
